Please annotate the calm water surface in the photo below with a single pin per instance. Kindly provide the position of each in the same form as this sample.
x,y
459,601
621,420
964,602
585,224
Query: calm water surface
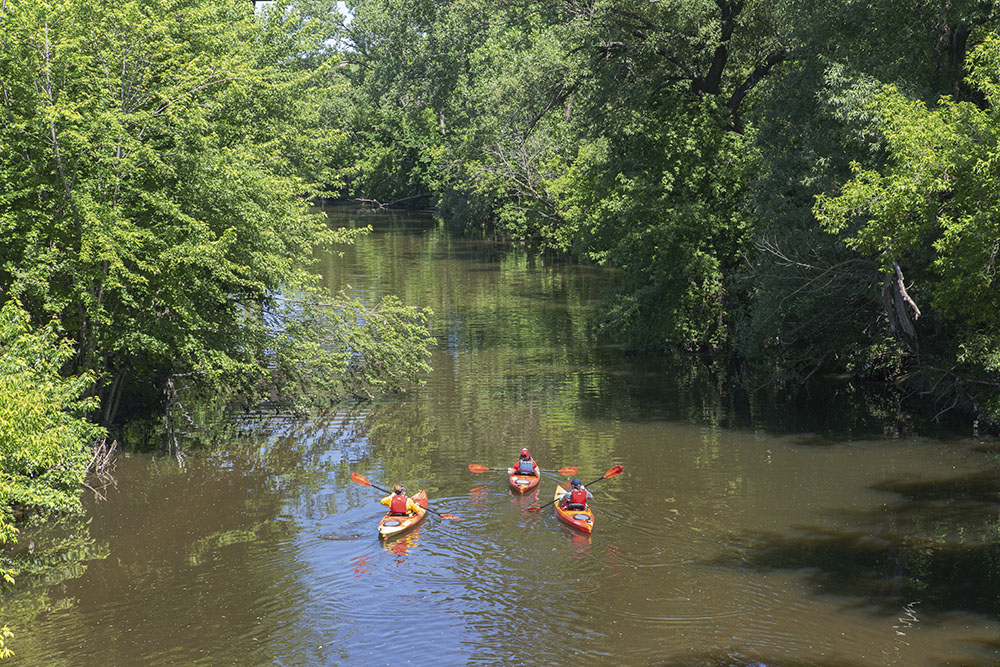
x,y
742,532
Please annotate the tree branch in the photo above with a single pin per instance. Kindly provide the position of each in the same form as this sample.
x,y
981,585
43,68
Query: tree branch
x,y
759,72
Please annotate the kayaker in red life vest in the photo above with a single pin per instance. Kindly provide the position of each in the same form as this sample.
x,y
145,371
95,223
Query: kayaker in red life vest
x,y
524,466
398,503
576,498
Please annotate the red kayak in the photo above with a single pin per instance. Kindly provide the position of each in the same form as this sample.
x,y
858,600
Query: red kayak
x,y
582,520
390,525
523,483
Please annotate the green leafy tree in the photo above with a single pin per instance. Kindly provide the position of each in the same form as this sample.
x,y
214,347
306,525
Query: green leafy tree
x,y
44,433
684,143
928,219
809,306
155,162
611,130
408,67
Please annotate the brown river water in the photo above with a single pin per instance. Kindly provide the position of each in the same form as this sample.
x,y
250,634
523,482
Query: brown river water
x,y
743,531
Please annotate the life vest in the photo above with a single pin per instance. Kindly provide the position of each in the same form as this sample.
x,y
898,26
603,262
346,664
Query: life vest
x,y
525,467
578,498
398,504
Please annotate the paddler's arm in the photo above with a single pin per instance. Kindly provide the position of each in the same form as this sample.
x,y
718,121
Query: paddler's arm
x,y
386,501
412,506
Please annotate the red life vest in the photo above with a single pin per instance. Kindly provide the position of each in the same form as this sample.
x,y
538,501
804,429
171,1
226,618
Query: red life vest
x,y
578,497
398,504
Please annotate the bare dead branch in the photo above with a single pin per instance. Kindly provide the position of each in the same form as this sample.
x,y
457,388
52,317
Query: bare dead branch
x,y
101,467
385,205
902,299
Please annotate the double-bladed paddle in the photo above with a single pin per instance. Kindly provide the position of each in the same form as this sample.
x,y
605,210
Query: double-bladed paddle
x,y
363,481
568,470
612,471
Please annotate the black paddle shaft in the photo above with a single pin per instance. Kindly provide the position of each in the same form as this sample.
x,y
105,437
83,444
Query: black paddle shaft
x,y
602,477
426,508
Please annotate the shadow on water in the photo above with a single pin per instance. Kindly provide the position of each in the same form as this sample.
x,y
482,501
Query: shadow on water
x,y
747,659
938,545
752,661
698,389
982,487
730,660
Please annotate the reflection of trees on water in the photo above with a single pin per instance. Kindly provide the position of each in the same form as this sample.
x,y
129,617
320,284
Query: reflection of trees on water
x,y
516,328
47,559
699,389
164,520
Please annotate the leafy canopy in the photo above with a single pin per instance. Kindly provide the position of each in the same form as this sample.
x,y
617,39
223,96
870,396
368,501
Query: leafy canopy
x,y
44,434
155,165
934,209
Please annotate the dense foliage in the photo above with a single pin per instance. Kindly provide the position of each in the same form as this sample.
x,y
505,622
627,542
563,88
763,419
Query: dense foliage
x,y
686,143
932,211
44,432
156,161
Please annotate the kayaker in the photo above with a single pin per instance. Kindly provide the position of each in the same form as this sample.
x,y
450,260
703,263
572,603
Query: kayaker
x,y
398,503
576,498
525,465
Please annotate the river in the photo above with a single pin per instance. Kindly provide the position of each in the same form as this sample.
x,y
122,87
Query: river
x,y
742,531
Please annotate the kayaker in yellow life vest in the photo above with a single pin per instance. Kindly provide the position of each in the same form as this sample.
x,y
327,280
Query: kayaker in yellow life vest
x,y
525,465
398,503
576,498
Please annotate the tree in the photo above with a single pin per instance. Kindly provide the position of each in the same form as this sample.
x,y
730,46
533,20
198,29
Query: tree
x,y
928,219
809,305
44,433
155,165
610,130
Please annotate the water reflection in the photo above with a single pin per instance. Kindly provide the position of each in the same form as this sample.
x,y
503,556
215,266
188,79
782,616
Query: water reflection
x,y
400,546
581,543
747,530
523,501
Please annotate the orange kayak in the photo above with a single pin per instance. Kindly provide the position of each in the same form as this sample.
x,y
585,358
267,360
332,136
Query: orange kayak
x,y
582,520
390,525
523,483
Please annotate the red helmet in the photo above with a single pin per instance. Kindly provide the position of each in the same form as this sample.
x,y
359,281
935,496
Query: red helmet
x,y
525,454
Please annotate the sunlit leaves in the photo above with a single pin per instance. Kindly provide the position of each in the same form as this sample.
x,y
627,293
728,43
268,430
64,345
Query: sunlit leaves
x,y
595,129
158,160
43,430
934,207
